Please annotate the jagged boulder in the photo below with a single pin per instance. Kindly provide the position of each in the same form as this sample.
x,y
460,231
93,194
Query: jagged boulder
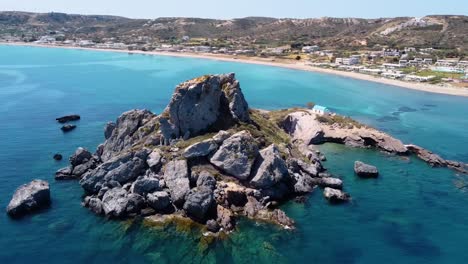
x,y
236,155
118,203
28,198
80,156
108,129
270,169
207,103
176,176
365,170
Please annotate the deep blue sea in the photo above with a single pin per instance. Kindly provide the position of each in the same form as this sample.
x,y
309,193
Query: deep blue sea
x,y
411,214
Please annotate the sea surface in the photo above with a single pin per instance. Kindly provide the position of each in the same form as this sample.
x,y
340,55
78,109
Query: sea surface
x,y
411,214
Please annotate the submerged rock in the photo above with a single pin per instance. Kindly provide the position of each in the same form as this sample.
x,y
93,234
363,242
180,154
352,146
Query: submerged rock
x,y
28,198
58,157
365,170
68,128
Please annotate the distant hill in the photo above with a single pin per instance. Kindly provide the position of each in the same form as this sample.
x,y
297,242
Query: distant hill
x,y
448,31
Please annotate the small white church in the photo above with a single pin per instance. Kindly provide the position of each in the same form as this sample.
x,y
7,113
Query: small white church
x,y
320,110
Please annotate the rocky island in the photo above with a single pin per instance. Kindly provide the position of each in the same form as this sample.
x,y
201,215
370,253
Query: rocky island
x,y
210,158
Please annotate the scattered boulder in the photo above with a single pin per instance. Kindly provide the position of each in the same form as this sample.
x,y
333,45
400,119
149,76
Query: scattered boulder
x,y
64,174
115,202
58,157
206,179
68,118
28,198
200,149
365,170
328,182
221,136
236,155
159,201
335,195
198,203
176,176
154,160
68,128
145,185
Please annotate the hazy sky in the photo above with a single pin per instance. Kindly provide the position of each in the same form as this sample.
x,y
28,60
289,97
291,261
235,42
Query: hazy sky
x,y
243,8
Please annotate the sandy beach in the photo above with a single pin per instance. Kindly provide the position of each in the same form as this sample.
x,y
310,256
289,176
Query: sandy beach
x,y
446,89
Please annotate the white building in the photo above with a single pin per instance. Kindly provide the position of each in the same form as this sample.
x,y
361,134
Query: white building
x,y
320,110
310,49
353,60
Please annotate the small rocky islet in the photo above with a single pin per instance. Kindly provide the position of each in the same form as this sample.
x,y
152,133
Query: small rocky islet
x,y
211,159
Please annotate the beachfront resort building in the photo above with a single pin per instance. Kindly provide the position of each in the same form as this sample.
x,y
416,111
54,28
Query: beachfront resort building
x,y
353,60
320,110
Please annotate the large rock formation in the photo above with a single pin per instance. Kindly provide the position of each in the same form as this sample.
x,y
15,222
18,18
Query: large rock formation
x,y
28,198
208,103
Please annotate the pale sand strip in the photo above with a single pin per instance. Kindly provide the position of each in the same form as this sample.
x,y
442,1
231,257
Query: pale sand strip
x,y
447,89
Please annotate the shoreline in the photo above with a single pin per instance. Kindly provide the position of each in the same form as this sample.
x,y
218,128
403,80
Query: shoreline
x,y
424,87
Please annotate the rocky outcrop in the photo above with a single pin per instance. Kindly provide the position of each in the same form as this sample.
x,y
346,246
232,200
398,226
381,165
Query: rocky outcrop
x,y
147,166
307,127
435,160
131,127
335,195
208,103
365,170
236,155
68,118
29,198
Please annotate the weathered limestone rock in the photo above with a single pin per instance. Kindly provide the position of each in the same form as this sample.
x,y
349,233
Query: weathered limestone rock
x,y
254,210
200,149
221,136
64,174
236,155
335,196
365,170
176,176
28,198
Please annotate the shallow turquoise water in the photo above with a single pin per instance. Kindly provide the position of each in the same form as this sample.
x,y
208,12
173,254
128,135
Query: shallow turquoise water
x,y
411,214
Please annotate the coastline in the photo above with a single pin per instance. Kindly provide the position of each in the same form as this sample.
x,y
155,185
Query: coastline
x,y
425,87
